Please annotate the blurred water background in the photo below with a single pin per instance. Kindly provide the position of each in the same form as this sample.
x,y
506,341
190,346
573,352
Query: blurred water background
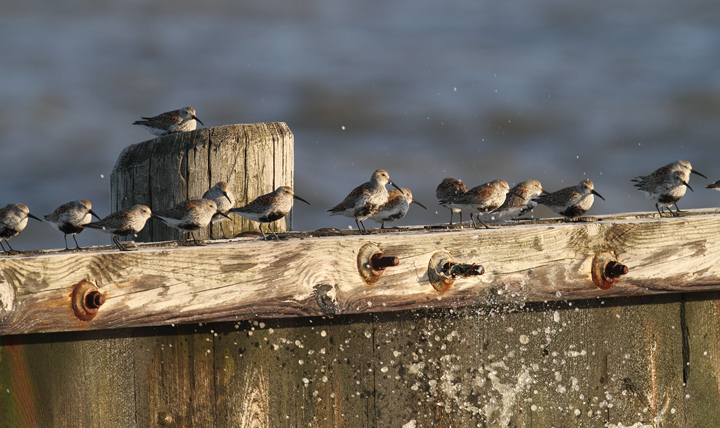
x,y
554,90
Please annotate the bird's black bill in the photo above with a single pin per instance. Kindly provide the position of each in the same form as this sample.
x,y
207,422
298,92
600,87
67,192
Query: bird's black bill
x,y
395,186
227,197
688,186
692,171
416,202
300,199
32,216
93,213
195,117
223,214
598,195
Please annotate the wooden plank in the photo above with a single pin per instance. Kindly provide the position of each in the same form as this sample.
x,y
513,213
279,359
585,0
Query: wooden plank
x,y
61,380
248,278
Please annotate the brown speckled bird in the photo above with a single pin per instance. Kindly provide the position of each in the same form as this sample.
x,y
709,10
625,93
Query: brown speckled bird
x,y
664,188
13,219
224,198
269,207
396,207
484,198
189,216
170,122
71,218
447,192
572,201
520,199
123,223
366,200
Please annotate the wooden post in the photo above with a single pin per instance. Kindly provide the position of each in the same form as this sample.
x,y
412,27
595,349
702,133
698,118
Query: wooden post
x,y
253,159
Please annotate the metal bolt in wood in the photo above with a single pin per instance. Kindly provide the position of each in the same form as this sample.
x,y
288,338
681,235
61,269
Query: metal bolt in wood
x,y
372,263
606,269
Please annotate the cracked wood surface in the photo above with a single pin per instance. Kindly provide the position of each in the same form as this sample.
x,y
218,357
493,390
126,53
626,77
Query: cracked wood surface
x,y
306,275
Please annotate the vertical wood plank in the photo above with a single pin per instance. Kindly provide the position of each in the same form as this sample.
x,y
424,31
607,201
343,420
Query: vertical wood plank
x,y
701,352
174,376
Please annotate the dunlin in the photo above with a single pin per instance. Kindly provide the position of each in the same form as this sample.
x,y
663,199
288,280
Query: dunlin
x,y
224,198
665,189
13,219
71,218
123,223
571,201
170,122
520,199
366,200
714,186
190,216
396,207
269,207
484,198
660,180
448,191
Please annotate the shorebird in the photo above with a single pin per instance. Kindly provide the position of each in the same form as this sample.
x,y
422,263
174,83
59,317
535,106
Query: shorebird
x,y
571,202
190,216
170,122
123,223
660,181
520,199
71,218
269,207
714,186
13,219
396,207
366,200
224,198
665,190
484,198
448,191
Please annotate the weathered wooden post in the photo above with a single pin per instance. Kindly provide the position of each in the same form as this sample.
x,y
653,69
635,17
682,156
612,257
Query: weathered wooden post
x,y
253,159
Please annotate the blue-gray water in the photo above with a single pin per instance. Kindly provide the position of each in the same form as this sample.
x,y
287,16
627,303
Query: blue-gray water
x,y
553,90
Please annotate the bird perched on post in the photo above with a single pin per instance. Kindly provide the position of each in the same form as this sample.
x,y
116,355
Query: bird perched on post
x,y
123,223
71,218
448,191
190,216
520,199
366,200
13,219
664,187
396,207
170,122
269,207
224,198
484,198
572,201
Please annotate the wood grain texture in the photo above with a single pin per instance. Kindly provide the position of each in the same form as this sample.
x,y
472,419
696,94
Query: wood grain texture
x,y
248,278
252,158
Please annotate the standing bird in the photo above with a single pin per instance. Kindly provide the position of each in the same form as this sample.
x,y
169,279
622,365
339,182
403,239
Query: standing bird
x,y
396,207
520,199
484,198
13,219
269,207
366,200
448,191
190,216
571,202
123,223
665,190
224,198
659,181
71,218
170,122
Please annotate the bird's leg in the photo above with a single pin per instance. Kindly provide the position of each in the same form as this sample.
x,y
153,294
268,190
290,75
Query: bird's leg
x,y
3,246
119,245
76,243
263,232
482,222
677,208
657,207
273,232
66,245
451,216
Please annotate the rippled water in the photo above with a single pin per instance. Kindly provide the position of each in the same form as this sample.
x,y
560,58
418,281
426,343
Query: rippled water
x,y
553,90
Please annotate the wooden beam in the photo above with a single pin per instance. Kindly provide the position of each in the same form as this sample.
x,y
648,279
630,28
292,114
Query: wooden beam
x,y
307,274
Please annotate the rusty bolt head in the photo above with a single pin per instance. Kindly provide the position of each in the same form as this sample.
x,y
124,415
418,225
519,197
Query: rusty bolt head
x,y
85,300
380,262
614,270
